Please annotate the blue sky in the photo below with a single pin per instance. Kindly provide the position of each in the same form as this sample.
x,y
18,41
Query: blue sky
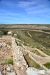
x,y
24,11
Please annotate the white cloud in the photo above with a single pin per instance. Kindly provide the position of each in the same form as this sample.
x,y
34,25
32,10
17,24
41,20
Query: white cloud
x,y
34,7
25,4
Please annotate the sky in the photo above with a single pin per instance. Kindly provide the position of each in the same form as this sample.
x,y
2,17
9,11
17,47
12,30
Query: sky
x,y
24,11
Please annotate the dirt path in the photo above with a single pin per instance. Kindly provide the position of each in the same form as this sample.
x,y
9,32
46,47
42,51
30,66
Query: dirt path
x,y
41,52
31,49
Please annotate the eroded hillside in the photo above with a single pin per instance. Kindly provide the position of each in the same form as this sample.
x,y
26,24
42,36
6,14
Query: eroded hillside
x,y
25,48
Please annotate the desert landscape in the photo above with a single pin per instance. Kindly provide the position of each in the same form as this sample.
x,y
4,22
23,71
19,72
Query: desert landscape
x,y
24,48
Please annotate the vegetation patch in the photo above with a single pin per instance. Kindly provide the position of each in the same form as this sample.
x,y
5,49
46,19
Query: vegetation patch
x,y
38,40
47,65
8,61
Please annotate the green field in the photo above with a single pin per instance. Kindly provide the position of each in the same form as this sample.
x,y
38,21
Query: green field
x,y
38,40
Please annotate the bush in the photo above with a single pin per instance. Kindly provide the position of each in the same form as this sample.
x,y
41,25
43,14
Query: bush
x,y
9,61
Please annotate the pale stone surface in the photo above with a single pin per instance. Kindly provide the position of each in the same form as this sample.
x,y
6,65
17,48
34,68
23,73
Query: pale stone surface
x,y
11,73
0,73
